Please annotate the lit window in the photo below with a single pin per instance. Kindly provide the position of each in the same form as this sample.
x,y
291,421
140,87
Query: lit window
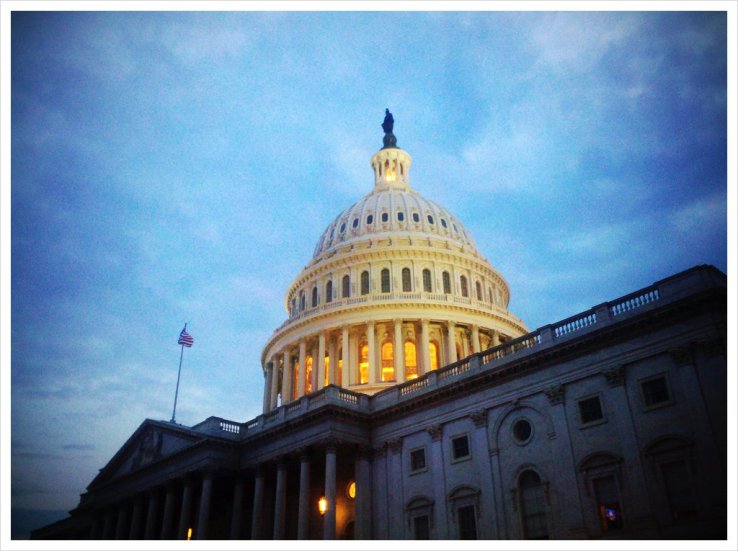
x,y
385,277
427,281
295,378
388,361
532,506
655,392
339,367
363,363
309,375
401,216
433,353
406,284
416,217
417,460
608,503
326,367
411,360
460,447
590,410
351,490
446,283
385,217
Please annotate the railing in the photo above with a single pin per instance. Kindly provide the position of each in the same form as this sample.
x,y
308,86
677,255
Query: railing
x,y
417,384
457,368
349,397
228,426
634,301
509,348
574,323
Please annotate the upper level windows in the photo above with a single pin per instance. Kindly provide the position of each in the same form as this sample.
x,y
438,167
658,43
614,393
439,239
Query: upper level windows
x,y
385,217
460,447
355,224
343,227
590,410
365,282
346,287
369,219
400,216
416,217
479,290
655,392
427,281
302,301
417,460
532,506
464,286
430,219
385,280
329,291
446,282
315,296
443,223
406,283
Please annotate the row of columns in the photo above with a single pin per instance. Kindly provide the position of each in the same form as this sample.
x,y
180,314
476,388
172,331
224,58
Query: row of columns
x,y
282,360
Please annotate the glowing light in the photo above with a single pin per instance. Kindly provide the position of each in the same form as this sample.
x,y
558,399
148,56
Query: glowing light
x,y
189,533
322,505
351,490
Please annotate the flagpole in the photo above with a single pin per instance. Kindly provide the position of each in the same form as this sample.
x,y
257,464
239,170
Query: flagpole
x,y
179,372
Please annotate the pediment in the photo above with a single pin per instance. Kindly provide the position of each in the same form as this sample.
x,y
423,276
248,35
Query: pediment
x,y
150,443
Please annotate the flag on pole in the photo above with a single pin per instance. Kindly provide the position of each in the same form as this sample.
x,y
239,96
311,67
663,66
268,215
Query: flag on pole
x,y
185,338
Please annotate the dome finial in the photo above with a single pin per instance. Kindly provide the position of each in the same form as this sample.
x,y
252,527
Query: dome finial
x,y
389,122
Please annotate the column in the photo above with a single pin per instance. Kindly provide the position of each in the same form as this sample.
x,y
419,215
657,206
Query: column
x,y
451,342
475,339
399,353
166,521
151,514
321,361
345,355
274,383
303,503
286,378
362,471
436,465
97,527
495,334
280,500
267,387
109,527
332,359
258,504
329,520
301,370
372,352
185,511
316,370
203,518
121,527
425,345
237,507
136,519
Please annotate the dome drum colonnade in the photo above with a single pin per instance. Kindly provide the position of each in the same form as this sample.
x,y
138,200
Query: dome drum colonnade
x,y
396,288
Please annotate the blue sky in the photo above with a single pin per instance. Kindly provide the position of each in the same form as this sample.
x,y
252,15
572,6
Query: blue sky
x,y
180,167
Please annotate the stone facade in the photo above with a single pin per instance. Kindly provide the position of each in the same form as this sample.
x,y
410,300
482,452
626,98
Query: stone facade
x,y
610,424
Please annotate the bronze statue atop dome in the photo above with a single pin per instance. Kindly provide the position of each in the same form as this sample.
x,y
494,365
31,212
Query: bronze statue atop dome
x,y
387,125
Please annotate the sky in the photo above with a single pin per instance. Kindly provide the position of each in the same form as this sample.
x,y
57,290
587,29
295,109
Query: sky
x,y
180,167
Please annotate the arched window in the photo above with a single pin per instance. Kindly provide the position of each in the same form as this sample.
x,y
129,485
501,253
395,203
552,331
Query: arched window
x,y
479,291
388,361
491,295
427,281
329,291
308,375
363,363
532,506
346,286
295,378
315,296
293,307
464,287
435,361
385,276
302,300
339,366
406,286
446,282
326,367
411,360
364,282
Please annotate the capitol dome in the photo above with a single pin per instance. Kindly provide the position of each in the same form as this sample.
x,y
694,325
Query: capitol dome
x,y
396,288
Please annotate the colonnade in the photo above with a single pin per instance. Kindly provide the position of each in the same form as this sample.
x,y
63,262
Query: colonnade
x,y
355,355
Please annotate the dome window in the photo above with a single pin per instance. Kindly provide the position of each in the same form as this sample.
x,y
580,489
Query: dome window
x,y
370,219
430,220
329,291
356,223
401,216
464,287
331,236
446,283
479,291
406,283
443,223
427,281
385,217
343,227
416,217
455,228
315,296
302,300
346,286
364,282
385,276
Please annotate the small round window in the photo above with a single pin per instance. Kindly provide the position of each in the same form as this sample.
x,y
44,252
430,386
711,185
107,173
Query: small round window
x,y
385,217
343,227
356,223
443,223
455,228
430,219
370,219
401,216
522,431
351,490
416,217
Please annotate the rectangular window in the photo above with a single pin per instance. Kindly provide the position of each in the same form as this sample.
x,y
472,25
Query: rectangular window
x,y
655,391
417,460
467,522
608,503
590,410
460,447
679,490
421,527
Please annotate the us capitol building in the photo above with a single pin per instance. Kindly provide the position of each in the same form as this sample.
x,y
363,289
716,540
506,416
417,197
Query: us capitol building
x,y
402,400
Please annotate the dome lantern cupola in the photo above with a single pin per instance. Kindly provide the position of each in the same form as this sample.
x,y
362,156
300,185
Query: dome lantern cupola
x,y
390,164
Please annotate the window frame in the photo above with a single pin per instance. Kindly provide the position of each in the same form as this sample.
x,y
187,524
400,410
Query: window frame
x,y
586,424
668,402
419,470
468,455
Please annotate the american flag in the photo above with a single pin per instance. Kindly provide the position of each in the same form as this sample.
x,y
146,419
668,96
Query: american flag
x,y
185,338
